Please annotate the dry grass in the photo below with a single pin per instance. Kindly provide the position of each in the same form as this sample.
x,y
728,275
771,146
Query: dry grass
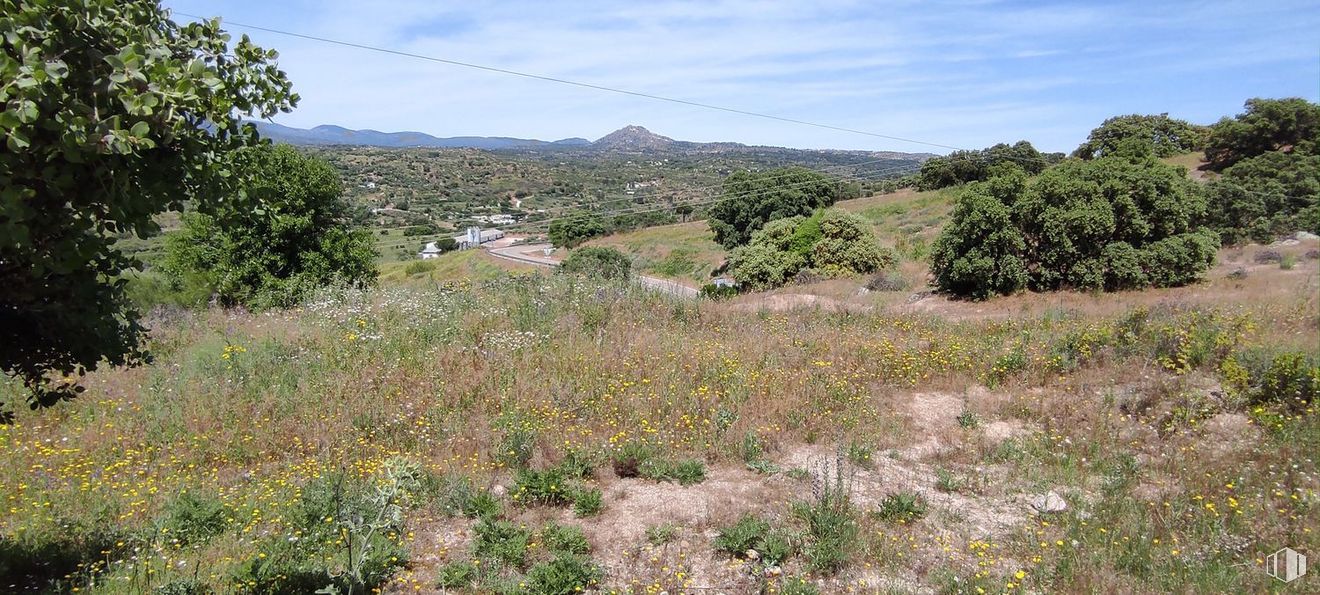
x,y
683,251
1060,392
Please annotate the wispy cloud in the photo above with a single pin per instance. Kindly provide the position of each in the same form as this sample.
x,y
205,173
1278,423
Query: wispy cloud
x,y
959,73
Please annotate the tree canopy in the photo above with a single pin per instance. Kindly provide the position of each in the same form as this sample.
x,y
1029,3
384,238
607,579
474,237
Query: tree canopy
x,y
570,231
1118,222
1166,136
751,200
112,113
831,243
1290,125
597,261
961,167
275,255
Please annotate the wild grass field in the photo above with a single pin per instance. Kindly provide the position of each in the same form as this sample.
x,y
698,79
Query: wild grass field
x,y
538,434
907,220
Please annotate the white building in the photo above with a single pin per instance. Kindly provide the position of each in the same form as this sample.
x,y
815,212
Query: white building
x,y
429,252
476,236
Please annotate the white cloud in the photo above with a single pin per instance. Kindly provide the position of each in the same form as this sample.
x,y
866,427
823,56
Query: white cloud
x,y
963,73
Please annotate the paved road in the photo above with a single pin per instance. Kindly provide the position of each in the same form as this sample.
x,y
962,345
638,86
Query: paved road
x,y
531,254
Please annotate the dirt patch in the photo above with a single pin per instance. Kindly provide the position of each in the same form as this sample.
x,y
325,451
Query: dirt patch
x,y
959,514
1227,434
696,512
790,301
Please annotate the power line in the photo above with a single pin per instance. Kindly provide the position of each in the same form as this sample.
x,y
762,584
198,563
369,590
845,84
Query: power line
x,y
654,207
574,83
710,187
616,90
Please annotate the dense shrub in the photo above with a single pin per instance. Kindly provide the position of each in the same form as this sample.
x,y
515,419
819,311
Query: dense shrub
x,y
749,201
889,281
502,542
571,230
843,244
1267,125
112,113
981,252
744,535
274,257
961,167
598,261
1118,222
565,574
718,292
1267,196
1166,136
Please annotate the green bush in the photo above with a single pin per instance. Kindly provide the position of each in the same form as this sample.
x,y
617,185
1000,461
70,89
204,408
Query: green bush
x,y
502,542
564,539
659,535
191,518
586,502
717,293
686,472
573,229
549,487
902,507
598,261
1122,221
1292,381
630,458
741,536
776,546
563,575
961,167
751,200
832,529
1265,197
113,113
1166,136
841,244
1267,125
456,575
481,505
578,464
276,256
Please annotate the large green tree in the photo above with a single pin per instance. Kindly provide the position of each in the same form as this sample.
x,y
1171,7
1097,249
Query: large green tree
x,y
961,167
832,243
749,200
273,256
1166,136
112,113
1118,222
573,229
1289,125
1267,196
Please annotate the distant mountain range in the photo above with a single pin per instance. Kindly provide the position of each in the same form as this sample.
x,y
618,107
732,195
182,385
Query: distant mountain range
x,y
326,134
632,139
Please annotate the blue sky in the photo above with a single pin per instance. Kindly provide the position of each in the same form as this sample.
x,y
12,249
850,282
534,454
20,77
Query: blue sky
x,y
966,74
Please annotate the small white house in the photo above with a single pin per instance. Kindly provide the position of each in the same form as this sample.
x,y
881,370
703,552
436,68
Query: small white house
x,y
429,252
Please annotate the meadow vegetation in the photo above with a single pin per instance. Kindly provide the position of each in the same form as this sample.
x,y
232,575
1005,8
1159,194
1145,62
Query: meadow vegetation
x,y
501,436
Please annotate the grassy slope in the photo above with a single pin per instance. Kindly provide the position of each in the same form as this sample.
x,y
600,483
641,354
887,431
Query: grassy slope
x,y
1173,481
451,267
688,252
684,251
